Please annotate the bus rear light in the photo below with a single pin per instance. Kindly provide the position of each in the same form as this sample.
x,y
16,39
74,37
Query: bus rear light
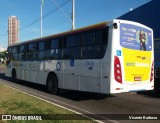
x,y
117,70
117,88
152,72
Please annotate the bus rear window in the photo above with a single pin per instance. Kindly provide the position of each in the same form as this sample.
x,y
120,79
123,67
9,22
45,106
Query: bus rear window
x,y
135,37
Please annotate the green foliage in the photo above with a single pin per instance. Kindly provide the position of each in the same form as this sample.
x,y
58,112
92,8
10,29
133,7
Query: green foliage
x,y
2,54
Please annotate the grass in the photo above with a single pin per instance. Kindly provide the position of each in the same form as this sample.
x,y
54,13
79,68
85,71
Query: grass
x,y
2,65
16,102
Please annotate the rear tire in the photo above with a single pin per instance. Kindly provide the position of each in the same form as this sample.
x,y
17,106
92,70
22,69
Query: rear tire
x,y
52,84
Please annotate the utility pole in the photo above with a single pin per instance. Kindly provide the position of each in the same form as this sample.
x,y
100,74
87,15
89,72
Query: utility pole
x,y
41,20
73,14
70,19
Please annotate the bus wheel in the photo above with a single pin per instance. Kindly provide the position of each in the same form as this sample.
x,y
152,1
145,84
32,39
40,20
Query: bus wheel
x,y
14,75
52,84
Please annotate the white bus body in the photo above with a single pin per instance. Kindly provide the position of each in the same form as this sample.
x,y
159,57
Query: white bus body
x,y
123,68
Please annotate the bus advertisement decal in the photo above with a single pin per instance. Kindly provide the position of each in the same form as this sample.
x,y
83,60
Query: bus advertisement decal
x,y
136,68
135,37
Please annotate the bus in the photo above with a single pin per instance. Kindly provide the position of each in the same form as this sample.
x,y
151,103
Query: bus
x,y
110,57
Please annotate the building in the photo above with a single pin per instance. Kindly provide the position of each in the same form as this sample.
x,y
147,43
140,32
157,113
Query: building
x,y
147,14
13,30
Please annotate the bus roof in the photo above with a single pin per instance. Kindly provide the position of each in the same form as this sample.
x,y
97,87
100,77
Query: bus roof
x,y
95,26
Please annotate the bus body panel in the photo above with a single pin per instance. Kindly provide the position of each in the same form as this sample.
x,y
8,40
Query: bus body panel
x,y
107,63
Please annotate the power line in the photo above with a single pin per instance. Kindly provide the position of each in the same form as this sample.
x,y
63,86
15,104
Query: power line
x,y
46,15
90,10
69,19
38,19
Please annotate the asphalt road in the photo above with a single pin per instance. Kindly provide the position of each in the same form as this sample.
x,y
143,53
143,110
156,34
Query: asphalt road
x,y
107,108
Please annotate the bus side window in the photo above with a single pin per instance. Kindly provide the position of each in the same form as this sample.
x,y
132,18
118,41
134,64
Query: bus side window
x,y
72,49
55,51
99,37
22,52
41,50
101,41
93,44
89,38
15,51
31,51
8,56
88,42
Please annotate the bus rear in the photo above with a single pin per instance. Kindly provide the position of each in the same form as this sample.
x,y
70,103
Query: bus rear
x,y
132,57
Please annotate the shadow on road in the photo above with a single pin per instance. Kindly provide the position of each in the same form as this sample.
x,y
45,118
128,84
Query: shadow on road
x,y
69,94
151,94
80,96
154,93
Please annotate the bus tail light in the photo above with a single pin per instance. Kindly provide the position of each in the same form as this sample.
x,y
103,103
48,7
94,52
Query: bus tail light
x,y
117,70
152,72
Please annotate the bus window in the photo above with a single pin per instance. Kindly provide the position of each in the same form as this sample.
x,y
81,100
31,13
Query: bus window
x,y
42,46
55,44
22,53
73,41
41,51
8,55
15,51
31,52
72,48
54,49
89,38
32,47
99,37
92,52
96,46
72,53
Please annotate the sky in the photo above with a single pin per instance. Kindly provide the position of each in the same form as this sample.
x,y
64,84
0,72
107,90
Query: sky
x,y
87,12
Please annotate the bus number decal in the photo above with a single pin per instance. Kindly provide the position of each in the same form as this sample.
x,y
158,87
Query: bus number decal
x,y
89,64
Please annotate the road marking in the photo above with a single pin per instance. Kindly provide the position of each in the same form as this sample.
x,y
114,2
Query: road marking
x,y
33,95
